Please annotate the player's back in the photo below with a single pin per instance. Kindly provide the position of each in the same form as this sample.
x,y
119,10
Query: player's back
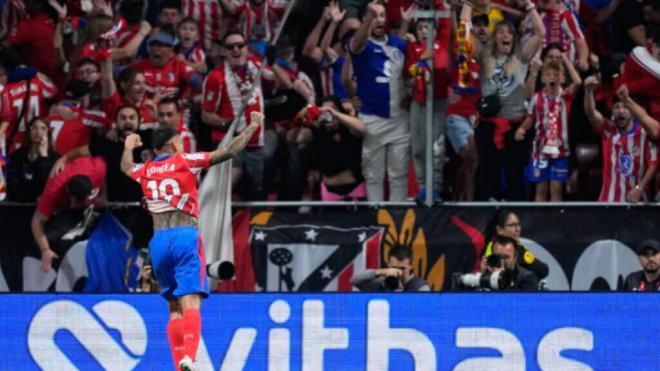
x,y
169,182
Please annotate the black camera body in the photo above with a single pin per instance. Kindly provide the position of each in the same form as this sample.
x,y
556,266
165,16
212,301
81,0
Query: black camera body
x,y
392,282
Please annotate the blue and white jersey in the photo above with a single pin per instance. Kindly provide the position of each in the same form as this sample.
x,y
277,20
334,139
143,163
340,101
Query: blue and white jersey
x,y
379,73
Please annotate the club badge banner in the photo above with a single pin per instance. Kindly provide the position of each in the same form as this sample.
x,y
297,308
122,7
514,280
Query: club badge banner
x,y
586,248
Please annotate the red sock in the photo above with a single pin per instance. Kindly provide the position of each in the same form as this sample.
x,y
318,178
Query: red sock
x,y
175,334
192,328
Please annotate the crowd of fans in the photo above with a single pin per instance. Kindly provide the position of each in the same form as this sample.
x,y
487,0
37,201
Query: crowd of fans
x,y
530,98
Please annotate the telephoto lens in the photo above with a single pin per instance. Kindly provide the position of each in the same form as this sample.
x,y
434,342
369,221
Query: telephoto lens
x,y
392,283
221,270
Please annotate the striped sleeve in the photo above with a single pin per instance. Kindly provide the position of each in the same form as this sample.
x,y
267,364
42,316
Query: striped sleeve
x,y
212,92
651,153
570,26
48,88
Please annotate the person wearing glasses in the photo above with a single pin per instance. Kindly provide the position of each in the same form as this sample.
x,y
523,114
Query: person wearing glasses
x,y
224,91
506,223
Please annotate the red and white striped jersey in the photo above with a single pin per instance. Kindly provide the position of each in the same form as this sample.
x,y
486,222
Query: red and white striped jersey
x,y
561,28
13,99
195,54
187,137
225,89
209,15
260,23
542,108
626,156
71,134
169,182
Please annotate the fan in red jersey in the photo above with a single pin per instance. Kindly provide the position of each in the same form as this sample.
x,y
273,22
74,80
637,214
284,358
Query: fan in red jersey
x,y
71,133
78,186
164,73
257,20
641,77
629,158
169,183
131,90
18,107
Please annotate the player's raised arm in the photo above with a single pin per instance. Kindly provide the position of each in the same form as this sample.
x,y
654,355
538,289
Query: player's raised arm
x,y
239,143
132,142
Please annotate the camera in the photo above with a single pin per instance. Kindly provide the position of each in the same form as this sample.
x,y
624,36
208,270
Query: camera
x,y
221,270
494,261
392,282
480,281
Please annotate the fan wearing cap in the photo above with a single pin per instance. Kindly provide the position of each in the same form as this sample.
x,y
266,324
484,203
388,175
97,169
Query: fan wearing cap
x,y
648,279
71,133
165,74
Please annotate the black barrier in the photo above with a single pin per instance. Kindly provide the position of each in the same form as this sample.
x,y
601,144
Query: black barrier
x,y
586,248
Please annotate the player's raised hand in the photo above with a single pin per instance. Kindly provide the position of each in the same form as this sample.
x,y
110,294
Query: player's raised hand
x,y
133,141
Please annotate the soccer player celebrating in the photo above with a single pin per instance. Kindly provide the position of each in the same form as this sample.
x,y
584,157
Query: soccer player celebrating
x,y
169,183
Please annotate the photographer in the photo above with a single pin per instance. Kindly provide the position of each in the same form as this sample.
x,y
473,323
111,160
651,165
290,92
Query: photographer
x,y
507,223
521,279
398,276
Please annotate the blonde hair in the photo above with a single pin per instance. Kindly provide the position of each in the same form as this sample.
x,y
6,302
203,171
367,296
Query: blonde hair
x,y
512,60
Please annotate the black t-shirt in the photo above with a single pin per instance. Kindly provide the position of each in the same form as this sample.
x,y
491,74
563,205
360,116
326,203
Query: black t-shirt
x,y
626,16
26,179
338,151
120,187
636,281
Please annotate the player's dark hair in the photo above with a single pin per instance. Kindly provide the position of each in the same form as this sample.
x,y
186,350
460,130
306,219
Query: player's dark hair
x,y
505,240
400,252
80,187
161,136
131,106
170,100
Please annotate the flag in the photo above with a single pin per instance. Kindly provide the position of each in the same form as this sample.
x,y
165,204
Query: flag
x,y
215,211
111,258
244,278
313,258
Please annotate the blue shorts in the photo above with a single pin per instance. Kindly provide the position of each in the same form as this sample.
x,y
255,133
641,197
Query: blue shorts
x,y
549,169
458,130
177,256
